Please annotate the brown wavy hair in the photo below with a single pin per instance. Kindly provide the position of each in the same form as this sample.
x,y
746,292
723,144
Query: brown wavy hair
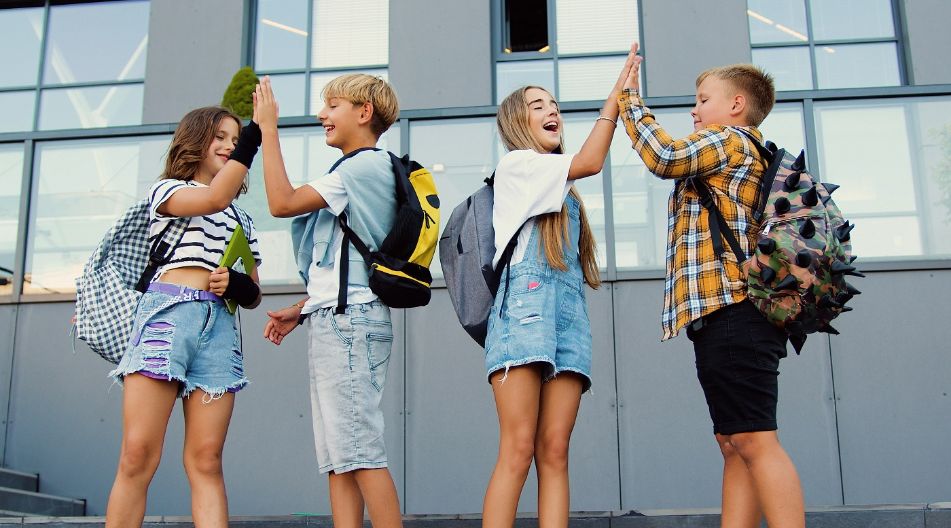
x,y
192,138
515,131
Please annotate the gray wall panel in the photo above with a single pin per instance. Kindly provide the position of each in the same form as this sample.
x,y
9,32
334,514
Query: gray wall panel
x,y
8,315
684,37
440,53
194,50
893,381
925,21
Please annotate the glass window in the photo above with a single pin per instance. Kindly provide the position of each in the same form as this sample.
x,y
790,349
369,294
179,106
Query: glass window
x,y
577,24
369,25
306,157
98,106
102,41
900,201
514,74
20,30
82,187
784,126
280,38
790,66
848,66
851,19
11,177
772,21
588,78
289,91
18,111
525,26
577,127
461,153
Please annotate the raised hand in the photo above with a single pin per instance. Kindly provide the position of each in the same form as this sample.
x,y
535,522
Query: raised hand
x,y
265,105
632,78
281,323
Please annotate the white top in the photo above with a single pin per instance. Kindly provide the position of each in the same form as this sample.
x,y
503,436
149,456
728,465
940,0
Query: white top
x,y
205,238
527,184
323,283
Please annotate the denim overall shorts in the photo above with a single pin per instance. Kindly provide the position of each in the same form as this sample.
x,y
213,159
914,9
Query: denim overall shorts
x,y
540,315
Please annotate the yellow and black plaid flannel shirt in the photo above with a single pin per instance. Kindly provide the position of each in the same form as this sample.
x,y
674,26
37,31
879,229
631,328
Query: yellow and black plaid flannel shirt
x,y
697,282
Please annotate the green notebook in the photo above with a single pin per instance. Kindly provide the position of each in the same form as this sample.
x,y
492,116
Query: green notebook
x,y
238,248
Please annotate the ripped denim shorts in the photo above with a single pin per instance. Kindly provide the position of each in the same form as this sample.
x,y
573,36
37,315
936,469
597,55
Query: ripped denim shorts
x,y
193,342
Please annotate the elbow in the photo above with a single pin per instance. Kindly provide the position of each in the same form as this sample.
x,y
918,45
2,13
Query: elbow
x,y
280,211
588,167
220,203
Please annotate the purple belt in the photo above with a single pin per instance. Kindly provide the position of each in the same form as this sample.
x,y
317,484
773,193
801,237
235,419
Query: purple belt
x,y
184,293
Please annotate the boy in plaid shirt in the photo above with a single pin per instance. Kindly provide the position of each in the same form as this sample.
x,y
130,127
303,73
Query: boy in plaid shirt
x,y
737,349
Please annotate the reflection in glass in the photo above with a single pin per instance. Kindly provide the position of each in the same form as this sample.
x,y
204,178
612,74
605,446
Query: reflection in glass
x,y
589,78
103,41
640,198
280,38
18,111
857,65
20,30
893,161
320,79
790,66
576,26
11,176
576,130
306,157
83,186
289,91
514,74
851,19
99,106
367,27
525,26
772,21
461,153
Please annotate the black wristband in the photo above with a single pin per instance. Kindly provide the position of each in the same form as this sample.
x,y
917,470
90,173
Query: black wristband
x,y
241,288
248,143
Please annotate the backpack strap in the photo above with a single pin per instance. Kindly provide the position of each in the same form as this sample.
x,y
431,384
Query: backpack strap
x,y
717,223
161,250
774,159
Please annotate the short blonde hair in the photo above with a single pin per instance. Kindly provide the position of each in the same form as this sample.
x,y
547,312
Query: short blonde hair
x,y
755,83
360,88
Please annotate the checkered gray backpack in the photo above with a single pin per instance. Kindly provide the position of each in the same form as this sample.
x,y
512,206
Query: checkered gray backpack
x,y
115,276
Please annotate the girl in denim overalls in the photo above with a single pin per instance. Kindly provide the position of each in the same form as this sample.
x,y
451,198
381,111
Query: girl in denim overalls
x,y
538,347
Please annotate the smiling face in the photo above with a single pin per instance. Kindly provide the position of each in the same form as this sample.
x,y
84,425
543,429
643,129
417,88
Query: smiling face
x,y
217,153
341,121
718,103
544,118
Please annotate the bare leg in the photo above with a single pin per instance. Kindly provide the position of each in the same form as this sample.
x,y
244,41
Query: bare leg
x,y
560,400
346,501
740,504
774,477
206,426
517,404
379,493
146,405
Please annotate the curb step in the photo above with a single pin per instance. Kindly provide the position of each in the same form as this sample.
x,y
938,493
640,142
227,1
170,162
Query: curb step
x,y
18,500
10,478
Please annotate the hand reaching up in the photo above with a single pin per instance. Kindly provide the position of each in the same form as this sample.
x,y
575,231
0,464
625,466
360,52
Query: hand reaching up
x,y
265,105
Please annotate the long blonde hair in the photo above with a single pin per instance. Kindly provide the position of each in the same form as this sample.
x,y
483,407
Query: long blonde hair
x,y
515,131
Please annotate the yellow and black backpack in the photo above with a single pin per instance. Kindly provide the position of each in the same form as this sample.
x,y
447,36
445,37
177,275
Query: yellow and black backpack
x,y
399,270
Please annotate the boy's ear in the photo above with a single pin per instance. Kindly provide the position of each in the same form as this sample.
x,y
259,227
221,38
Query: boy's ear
x,y
366,113
739,105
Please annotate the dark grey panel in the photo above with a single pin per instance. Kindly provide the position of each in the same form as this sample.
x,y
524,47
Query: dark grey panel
x,y
452,428
685,37
440,53
669,457
893,383
7,323
925,23
194,49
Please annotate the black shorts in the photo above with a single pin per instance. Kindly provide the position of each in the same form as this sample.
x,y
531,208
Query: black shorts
x,y
737,352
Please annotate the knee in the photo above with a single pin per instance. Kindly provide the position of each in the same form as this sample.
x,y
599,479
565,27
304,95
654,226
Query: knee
x,y
139,458
517,451
203,460
552,450
750,446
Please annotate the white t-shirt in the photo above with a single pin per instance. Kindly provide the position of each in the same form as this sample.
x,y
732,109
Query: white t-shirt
x,y
323,283
527,184
206,236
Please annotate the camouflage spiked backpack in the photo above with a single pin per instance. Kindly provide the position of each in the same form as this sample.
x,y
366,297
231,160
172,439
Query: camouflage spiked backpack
x,y
796,275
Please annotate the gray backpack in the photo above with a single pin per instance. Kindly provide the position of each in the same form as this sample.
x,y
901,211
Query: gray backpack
x,y
466,249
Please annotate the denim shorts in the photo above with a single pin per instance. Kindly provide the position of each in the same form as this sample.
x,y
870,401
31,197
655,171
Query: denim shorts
x,y
737,353
348,357
543,318
193,342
